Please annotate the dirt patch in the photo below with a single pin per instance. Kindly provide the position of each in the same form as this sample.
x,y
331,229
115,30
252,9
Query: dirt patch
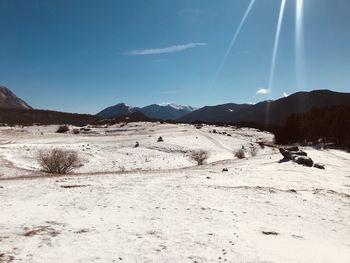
x,y
46,230
270,233
74,186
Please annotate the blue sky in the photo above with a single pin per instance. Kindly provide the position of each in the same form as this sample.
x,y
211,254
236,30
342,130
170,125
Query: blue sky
x,y
85,55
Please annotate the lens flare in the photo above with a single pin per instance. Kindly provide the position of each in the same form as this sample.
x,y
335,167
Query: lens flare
x,y
274,56
276,44
233,41
299,43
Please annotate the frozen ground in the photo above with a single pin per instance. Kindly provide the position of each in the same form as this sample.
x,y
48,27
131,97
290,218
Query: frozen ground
x,y
152,204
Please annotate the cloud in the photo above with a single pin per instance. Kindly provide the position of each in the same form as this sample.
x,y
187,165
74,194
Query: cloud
x,y
285,94
165,50
263,91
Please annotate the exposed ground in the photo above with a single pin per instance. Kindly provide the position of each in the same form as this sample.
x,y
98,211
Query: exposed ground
x,y
153,204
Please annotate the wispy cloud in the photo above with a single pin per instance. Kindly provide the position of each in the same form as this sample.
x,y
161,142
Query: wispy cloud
x,y
263,91
164,50
285,94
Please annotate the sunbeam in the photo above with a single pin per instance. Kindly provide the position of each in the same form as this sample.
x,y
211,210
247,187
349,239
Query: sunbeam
x,y
276,44
233,41
274,55
299,43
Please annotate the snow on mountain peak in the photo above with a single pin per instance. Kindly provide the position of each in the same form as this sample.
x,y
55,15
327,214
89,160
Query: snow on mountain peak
x,y
176,106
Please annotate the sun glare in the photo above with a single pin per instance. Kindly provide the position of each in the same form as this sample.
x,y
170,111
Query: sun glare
x,y
299,43
233,40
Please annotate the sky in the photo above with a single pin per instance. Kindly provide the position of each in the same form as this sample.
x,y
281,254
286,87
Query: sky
x,y
84,55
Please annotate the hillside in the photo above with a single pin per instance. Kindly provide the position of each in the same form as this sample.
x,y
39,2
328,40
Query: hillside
x,y
9,100
44,117
269,112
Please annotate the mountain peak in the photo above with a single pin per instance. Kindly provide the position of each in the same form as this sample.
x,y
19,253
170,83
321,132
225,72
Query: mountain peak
x,y
9,100
177,106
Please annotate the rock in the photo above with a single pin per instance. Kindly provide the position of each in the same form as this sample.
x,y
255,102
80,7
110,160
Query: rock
x,y
303,160
290,155
286,154
300,153
225,170
319,166
292,148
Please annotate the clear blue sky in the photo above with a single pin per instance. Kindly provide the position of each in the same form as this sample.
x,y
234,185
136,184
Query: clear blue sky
x,y
85,55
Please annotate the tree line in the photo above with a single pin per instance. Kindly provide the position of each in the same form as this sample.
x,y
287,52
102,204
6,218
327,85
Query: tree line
x,y
327,125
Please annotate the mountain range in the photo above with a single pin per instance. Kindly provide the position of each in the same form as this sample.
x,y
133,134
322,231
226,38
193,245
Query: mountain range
x,y
268,112
166,111
273,112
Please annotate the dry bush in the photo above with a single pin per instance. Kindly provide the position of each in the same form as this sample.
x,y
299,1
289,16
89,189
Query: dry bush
x,y
62,129
253,150
199,156
58,161
240,154
261,144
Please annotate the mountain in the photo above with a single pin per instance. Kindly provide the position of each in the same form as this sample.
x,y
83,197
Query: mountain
x,y
9,100
133,117
218,113
168,111
269,112
115,111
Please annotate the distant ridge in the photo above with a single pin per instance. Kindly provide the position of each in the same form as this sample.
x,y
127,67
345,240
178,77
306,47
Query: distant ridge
x,y
11,116
269,112
116,111
166,111
9,100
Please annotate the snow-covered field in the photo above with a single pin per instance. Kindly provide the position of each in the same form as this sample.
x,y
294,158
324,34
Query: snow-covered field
x,y
153,204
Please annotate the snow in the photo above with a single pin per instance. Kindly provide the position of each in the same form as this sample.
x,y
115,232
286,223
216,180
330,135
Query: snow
x,y
153,204
177,106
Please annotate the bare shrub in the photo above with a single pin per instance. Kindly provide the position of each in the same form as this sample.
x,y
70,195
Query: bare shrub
x,y
261,144
62,129
240,154
199,156
253,150
58,161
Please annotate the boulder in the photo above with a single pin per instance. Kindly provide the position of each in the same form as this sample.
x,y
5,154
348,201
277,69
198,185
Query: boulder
x,y
300,153
292,148
286,154
303,160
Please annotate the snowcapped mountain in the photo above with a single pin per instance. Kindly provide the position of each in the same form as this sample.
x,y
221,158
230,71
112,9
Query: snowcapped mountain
x,y
9,100
178,107
166,111
163,111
